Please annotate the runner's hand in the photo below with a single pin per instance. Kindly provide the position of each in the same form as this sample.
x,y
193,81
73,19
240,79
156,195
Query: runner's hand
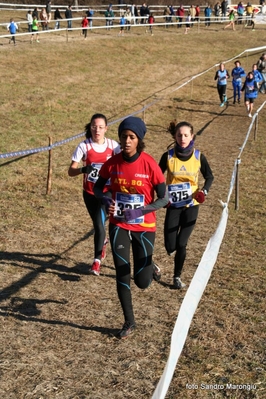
x,y
200,197
131,214
86,169
107,202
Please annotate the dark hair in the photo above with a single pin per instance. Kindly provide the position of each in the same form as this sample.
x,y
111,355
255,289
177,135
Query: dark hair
x,y
88,126
173,127
140,146
237,61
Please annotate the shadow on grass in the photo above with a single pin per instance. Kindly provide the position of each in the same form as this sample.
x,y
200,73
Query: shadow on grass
x,y
43,263
216,114
16,159
8,312
152,97
26,309
41,266
40,263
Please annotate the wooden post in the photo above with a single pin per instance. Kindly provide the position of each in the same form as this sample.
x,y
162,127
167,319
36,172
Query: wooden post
x,y
237,185
256,127
49,176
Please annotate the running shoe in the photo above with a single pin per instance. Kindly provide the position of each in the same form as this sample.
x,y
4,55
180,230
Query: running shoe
x,y
222,104
95,268
178,283
156,272
250,115
103,256
127,329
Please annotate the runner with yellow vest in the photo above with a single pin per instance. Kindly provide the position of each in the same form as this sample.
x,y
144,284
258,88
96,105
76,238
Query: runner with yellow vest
x,y
183,163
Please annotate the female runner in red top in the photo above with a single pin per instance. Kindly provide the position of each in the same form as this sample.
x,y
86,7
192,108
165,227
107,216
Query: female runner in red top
x,y
134,179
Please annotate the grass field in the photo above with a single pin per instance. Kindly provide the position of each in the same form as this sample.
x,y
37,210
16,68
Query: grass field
x,y
57,322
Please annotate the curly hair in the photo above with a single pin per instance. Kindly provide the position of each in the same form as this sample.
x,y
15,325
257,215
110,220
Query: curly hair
x,y
140,146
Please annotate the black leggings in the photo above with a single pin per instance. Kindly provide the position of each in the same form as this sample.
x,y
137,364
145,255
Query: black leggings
x,y
98,215
142,248
178,226
222,92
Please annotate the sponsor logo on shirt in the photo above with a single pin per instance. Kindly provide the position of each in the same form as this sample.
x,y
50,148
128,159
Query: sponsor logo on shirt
x,y
143,176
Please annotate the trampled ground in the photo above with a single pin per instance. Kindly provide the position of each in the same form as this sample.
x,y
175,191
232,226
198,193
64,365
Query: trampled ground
x,y
57,322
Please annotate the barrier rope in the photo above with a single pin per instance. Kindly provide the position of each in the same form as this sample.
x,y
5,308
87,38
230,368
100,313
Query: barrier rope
x,y
59,143
40,149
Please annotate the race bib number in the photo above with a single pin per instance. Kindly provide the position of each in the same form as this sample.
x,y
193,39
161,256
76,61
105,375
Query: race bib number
x,y
180,194
222,79
128,201
250,89
94,175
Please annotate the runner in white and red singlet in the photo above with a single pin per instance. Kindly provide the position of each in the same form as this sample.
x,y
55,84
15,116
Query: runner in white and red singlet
x,y
93,152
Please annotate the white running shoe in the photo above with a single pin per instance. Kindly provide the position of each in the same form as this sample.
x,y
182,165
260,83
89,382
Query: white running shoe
x,y
178,283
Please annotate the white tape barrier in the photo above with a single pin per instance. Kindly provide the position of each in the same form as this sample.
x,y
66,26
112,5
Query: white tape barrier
x,y
203,272
250,128
190,304
115,25
197,287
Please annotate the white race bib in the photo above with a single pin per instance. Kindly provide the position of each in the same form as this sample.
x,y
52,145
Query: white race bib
x,y
128,201
94,175
180,194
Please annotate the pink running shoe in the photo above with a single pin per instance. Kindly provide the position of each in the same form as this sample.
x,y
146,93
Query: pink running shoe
x,y
95,268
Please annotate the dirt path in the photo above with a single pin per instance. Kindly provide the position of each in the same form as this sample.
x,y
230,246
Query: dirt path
x,y
57,322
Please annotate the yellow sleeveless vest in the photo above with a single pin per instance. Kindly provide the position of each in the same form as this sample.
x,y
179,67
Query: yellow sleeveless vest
x,y
179,171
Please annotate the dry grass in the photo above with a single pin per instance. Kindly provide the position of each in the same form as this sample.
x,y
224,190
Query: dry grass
x,y
57,321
